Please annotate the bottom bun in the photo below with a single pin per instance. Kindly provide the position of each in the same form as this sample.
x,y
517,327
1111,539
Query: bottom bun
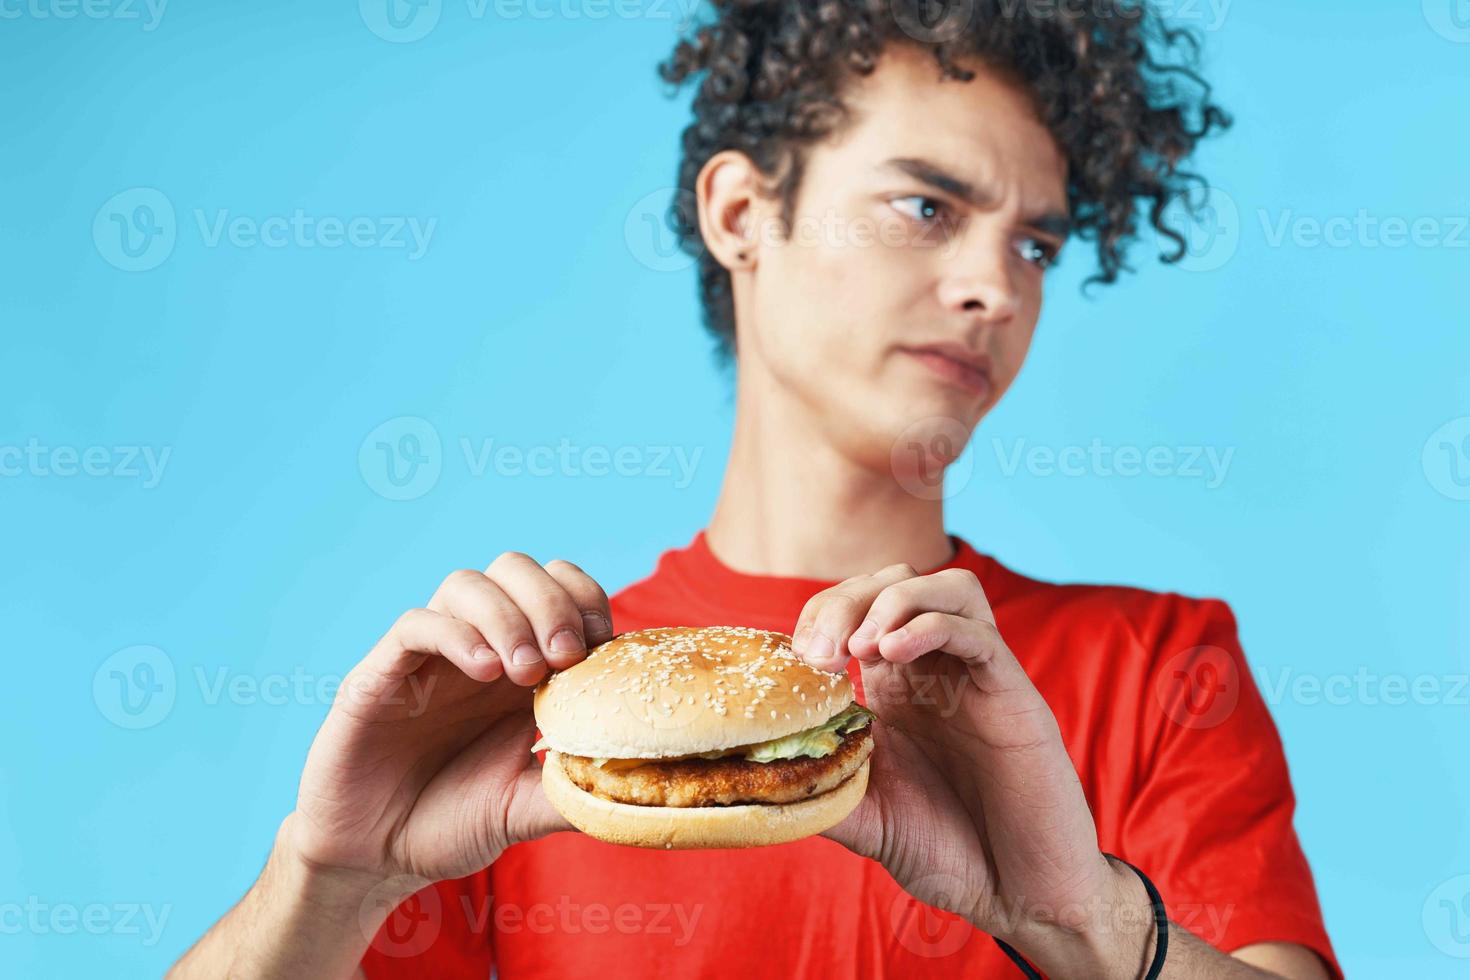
x,y
684,827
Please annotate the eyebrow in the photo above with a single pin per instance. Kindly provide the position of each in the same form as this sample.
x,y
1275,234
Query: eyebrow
x,y
1051,222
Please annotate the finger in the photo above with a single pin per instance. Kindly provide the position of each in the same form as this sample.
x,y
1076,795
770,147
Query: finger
x,y
469,596
953,590
589,597
830,617
417,635
977,643
551,611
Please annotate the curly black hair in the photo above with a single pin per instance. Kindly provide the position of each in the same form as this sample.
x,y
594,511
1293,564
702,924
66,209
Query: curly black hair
x,y
1115,86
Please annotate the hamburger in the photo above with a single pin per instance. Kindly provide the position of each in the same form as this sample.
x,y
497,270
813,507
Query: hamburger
x,y
687,737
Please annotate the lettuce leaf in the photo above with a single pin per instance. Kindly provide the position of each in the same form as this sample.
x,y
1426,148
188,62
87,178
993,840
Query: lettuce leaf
x,y
814,742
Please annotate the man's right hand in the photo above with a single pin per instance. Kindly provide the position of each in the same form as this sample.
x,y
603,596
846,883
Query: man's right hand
x,y
422,770
423,766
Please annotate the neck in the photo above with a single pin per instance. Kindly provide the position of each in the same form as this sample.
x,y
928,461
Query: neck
x,y
794,504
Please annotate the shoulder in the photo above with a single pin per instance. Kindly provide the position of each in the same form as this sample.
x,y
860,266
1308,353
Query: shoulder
x,y
1136,622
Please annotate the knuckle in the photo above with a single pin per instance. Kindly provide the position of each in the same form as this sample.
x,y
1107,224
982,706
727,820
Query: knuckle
x,y
510,558
551,599
409,618
964,575
838,606
901,569
562,565
461,578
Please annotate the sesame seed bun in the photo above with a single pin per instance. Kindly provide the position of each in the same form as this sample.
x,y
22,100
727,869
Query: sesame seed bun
x,y
679,690
688,827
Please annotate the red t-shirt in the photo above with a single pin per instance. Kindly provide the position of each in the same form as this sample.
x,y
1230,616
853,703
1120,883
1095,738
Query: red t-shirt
x,y
1176,750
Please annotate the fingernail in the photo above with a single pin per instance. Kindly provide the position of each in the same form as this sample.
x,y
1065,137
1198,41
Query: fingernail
x,y
525,655
566,640
819,648
596,623
867,631
482,652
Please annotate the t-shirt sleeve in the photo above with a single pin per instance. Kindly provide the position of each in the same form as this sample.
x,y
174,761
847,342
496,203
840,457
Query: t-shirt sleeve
x,y
442,931
1211,819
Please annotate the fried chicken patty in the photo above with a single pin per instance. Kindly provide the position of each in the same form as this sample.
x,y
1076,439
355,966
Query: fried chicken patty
x,y
723,782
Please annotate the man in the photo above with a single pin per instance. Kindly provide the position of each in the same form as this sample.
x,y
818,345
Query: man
x,y
1026,730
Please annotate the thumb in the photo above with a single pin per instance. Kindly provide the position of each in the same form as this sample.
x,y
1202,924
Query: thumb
x,y
530,815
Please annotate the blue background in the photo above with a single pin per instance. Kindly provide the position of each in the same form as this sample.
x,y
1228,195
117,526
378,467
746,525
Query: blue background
x,y
542,310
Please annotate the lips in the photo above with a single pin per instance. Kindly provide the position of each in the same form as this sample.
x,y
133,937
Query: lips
x,y
955,364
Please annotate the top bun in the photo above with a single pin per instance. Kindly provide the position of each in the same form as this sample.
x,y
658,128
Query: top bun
x,y
678,690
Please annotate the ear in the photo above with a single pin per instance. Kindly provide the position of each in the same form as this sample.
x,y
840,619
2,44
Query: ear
x,y
731,209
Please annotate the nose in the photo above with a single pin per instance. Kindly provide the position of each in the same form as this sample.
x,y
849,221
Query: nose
x,y
978,283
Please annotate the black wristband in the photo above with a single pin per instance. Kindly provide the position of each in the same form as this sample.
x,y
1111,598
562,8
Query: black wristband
x,y
1161,925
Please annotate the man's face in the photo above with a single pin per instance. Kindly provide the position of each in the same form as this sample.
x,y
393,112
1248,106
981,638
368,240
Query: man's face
x,y
927,223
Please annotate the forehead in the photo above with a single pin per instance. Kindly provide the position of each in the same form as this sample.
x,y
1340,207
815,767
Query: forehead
x,y
985,130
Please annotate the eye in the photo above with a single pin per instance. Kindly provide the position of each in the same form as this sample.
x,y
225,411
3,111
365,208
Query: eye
x,y
920,208
1041,253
